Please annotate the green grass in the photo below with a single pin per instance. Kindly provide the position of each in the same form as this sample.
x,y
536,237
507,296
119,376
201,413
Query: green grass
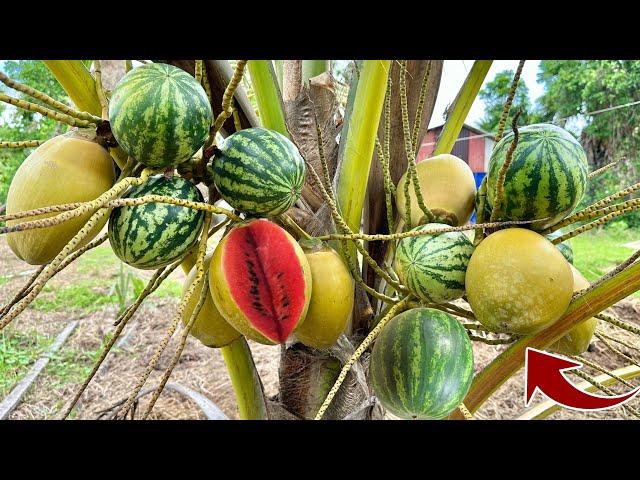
x,y
18,351
169,289
70,366
86,296
97,259
89,296
594,254
93,291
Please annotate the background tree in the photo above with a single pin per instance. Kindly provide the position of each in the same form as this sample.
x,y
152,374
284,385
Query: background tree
x,y
574,88
495,93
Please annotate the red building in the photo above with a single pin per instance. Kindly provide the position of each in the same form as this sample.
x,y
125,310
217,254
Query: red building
x,y
473,145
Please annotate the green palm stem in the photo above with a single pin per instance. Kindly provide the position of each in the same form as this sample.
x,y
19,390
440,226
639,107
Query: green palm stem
x,y
357,140
245,380
278,66
78,82
268,97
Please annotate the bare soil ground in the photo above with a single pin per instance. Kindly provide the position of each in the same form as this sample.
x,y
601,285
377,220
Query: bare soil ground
x,y
200,368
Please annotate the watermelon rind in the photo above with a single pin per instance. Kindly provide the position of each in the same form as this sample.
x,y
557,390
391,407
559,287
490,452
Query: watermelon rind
x,y
259,172
159,115
153,235
422,364
546,179
433,266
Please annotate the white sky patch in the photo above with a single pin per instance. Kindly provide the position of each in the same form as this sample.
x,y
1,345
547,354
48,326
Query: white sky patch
x,y
454,73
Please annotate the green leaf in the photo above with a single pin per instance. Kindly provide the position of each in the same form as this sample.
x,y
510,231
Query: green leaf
x,y
78,82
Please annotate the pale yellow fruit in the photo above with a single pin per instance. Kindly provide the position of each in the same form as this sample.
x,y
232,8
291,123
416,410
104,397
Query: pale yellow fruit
x,y
448,188
64,169
210,327
518,282
332,297
577,340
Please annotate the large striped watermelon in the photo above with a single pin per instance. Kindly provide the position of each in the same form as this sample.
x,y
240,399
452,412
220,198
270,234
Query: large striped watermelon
x,y
153,235
159,115
547,176
259,172
433,267
422,364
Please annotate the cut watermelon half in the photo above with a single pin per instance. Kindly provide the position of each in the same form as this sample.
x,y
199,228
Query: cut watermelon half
x,y
262,281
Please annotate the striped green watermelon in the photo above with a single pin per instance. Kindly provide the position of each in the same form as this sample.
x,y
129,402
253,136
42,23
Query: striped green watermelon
x,y
259,172
433,267
422,364
159,115
547,176
154,235
565,248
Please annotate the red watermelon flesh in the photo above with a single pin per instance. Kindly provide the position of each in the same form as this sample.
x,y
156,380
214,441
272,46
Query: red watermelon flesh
x,y
265,278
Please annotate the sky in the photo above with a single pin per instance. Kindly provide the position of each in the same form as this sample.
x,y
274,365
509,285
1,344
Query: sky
x,y
455,71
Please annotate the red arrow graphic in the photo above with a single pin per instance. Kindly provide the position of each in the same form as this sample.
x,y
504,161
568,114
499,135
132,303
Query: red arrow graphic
x,y
544,372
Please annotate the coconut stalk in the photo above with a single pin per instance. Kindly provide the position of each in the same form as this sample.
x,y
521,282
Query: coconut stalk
x,y
355,153
245,380
376,211
278,67
583,307
462,104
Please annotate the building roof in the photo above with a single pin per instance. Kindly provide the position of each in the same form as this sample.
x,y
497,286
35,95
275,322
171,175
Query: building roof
x,y
467,126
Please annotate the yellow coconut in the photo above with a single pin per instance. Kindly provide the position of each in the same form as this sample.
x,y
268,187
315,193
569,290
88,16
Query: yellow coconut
x,y
577,340
210,327
332,297
65,169
518,282
448,187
